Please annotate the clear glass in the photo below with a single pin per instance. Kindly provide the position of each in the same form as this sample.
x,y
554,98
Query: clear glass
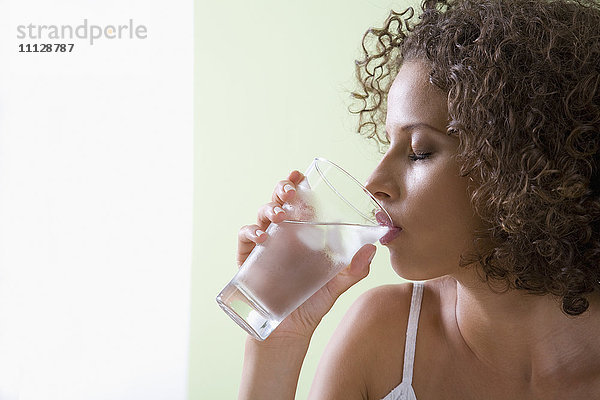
x,y
331,217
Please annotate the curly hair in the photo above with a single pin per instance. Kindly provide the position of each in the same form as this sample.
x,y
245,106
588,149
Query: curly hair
x,y
522,80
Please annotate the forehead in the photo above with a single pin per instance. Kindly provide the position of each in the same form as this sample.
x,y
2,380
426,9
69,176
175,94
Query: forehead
x,y
413,99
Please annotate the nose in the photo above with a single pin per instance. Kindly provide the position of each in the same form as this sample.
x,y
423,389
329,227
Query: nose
x,y
381,181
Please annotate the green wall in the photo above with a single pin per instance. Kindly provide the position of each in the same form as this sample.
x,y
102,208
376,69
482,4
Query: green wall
x,y
272,83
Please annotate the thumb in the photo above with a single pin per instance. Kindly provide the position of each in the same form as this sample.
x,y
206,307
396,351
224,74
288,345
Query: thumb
x,y
355,272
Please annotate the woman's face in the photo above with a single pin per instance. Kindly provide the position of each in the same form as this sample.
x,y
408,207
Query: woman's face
x,y
418,182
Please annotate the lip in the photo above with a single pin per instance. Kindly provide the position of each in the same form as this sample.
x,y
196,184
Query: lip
x,y
393,232
391,235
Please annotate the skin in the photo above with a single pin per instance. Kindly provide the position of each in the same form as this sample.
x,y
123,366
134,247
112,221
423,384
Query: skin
x,y
435,232
472,342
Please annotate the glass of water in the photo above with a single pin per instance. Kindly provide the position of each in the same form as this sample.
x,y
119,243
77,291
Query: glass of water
x,y
330,218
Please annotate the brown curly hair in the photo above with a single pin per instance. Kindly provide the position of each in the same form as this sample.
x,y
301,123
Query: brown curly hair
x,y
522,80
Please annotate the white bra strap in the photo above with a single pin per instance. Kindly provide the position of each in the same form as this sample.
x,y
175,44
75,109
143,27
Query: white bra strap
x,y
411,332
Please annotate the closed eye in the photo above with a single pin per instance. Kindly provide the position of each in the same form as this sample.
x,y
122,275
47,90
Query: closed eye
x,y
419,156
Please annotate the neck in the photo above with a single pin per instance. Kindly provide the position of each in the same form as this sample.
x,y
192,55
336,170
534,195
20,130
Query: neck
x,y
526,337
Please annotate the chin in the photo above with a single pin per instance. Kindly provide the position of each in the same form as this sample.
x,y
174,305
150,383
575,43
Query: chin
x,y
414,271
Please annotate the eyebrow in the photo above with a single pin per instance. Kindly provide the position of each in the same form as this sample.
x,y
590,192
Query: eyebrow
x,y
412,127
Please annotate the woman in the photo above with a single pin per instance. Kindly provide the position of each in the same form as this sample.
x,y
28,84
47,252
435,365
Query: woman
x,y
492,129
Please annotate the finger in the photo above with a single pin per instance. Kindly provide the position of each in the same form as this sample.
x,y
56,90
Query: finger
x,y
295,177
248,237
355,272
286,189
251,234
284,192
270,212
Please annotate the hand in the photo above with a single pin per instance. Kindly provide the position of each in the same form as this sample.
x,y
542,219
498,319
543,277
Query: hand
x,y
301,323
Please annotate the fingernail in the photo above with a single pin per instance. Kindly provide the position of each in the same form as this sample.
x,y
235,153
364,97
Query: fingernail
x,y
288,187
259,232
371,258
277,210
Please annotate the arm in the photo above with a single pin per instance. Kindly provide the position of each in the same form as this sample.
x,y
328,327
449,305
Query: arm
x,y
271,368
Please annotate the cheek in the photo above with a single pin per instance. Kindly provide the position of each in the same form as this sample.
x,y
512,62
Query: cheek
x,y
439,227
438,202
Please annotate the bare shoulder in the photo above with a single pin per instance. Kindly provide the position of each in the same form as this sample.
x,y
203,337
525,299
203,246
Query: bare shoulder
x,y
364,358
378,308
368,342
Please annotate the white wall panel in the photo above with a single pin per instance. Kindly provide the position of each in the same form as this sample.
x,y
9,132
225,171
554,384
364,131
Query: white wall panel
x,y
96,162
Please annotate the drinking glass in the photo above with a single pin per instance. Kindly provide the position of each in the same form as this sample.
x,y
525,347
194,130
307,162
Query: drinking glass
x,y
329,219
